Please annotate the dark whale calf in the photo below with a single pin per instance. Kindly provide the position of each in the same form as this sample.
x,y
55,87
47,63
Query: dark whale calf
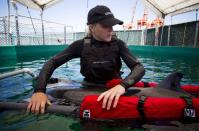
x,y
168,87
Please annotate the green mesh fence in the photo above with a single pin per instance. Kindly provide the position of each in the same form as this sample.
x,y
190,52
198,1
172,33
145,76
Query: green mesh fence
x,y
182,35
163,36
150,38
189,32
177,35
197,43
131,37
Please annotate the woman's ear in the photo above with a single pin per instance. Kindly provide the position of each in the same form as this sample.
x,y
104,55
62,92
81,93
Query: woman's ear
x,y
91,28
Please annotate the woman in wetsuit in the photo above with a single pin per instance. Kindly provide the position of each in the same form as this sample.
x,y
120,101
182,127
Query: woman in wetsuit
x,y
100,60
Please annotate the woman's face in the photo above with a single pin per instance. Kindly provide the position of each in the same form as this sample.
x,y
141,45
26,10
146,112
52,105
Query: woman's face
x,y
102,33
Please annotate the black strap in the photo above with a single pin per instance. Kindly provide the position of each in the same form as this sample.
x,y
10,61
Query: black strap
x,y
140,107
189,110
53,80
87,41
146,84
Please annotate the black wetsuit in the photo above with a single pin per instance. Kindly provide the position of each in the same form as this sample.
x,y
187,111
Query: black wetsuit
x,y
75,50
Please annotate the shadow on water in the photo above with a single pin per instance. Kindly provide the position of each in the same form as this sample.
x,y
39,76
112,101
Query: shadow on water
x,y
21,121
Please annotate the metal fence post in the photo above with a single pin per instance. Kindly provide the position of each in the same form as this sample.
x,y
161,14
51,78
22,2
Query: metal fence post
x,y
196,32
16,22
156,35
184,35
64,34
43,34
142,37
17,30
145,36
169,31
5,30
161,35
11,38
8,22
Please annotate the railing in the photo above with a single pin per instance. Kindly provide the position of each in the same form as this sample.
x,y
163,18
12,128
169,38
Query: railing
x,y
16,72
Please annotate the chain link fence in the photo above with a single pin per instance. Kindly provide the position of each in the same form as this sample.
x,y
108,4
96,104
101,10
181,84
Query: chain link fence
x,y
25,31
6,37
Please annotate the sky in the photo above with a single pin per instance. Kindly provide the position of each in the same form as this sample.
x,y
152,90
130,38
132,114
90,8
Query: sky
x,y
74,12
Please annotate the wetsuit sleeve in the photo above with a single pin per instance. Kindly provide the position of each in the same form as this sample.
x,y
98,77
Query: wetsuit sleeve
x,y
137,69
72,51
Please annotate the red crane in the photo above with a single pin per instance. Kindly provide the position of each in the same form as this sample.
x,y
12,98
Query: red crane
x,y
130,24
144,20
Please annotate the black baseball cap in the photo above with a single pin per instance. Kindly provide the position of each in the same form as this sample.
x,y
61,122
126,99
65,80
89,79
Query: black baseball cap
x,y
103,15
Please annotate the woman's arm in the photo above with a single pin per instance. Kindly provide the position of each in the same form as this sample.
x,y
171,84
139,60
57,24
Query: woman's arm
x,y
137,69
73,51
137,72
39,99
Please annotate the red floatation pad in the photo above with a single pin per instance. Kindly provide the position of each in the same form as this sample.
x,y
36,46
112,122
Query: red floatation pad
x,y
187,88
191,88
154,108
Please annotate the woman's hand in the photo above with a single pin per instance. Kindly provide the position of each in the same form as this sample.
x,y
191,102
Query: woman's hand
x,y
110,95
38,103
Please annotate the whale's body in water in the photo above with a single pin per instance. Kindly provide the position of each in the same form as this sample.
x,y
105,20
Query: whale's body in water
x,y
168,87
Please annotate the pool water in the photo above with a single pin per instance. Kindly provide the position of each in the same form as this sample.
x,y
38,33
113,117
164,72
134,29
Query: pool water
x,y
20,87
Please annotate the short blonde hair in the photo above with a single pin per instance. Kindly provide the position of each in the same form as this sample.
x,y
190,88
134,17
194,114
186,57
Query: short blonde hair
x,y
88,31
